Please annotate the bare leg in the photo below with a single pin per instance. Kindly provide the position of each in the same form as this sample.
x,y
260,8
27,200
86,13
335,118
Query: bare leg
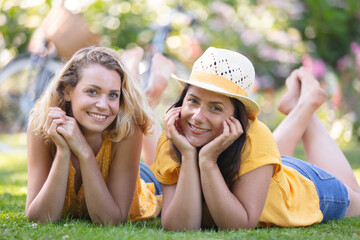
x,y
161,69
289,100
132,58
319,147
323,151
158,82
303,97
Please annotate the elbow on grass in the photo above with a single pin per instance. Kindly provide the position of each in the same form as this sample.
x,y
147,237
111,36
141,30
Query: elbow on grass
x,y
114,221
248,226
180,228
40,219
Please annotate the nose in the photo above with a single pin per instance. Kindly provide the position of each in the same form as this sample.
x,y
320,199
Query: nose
x,y
199,115
102,102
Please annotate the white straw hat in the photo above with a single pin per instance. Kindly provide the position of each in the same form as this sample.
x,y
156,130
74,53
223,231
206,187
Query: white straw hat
x,y
225,72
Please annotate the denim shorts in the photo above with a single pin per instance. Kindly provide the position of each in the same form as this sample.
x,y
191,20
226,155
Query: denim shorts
x,y
333,195
149,177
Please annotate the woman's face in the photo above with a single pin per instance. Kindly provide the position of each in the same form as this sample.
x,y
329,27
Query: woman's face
x,y
203,114
95,100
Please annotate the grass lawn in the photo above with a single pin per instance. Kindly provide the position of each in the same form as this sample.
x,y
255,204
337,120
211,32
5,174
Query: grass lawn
x,y
13,224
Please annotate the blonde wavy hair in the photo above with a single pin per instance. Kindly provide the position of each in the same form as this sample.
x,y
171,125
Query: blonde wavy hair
x,y
133,112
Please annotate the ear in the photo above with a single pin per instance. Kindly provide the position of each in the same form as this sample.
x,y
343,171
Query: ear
x,y
67,93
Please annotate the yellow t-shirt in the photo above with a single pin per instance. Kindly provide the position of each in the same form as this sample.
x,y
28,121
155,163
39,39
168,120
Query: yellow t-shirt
x,y
145,203
292,200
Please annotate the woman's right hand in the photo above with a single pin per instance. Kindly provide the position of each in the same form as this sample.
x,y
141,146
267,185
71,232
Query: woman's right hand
x,y
174,133
55,118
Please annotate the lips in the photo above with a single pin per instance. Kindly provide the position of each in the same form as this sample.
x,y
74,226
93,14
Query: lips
x,y
198,129
97,116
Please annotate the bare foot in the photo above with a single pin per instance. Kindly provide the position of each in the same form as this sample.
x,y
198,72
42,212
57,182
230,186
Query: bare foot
x,y
131,58
311,94
292,94
161,69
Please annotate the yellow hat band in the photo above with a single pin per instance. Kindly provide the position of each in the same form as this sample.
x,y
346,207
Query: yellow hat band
x,y
217,81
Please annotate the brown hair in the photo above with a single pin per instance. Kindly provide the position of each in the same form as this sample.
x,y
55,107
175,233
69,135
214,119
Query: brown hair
x,y
229,160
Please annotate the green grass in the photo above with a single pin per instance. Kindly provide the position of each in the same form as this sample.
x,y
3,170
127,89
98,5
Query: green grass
x,y
13,224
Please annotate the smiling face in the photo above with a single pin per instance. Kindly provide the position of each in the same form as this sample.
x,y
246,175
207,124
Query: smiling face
x,y
203,114
96,98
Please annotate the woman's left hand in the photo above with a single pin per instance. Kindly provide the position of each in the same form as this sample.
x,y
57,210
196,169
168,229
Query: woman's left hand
x,y
211,151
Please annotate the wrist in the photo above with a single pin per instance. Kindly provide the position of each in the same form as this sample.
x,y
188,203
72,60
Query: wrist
x,y
206,164
84,155
190,154
63,152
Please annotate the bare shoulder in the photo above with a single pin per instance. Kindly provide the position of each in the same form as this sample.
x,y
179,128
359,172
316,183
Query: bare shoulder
x,y
38,146
129,146
134,139
125,159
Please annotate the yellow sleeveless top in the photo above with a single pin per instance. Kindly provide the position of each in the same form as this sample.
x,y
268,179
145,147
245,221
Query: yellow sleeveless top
x,y
145,203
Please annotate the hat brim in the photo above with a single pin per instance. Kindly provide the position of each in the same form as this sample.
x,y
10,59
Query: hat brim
x,y
252,108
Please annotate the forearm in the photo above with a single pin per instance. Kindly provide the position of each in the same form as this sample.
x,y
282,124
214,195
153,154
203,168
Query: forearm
x,y
101,205
47,205
185,209
225,209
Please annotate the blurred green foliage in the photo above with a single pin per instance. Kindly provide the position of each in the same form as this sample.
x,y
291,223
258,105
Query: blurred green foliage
x,y
274,34
330,26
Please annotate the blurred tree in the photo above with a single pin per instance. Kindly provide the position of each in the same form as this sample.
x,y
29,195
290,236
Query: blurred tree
x,y
329,26
18,19
276,35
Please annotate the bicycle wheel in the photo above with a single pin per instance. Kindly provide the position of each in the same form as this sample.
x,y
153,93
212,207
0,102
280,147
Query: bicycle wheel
x,y
21,83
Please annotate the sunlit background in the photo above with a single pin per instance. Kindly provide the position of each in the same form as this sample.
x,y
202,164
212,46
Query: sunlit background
x,y
277,36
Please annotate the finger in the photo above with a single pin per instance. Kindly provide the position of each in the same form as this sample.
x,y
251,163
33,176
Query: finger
x,y
237,128
233,133
56,110
171,114
54,113
226,128
171,121
232,125
61,129
171,129
52,130
176,109
70,128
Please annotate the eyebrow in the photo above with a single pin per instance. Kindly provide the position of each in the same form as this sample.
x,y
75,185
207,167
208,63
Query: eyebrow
x,y
97,87
212,102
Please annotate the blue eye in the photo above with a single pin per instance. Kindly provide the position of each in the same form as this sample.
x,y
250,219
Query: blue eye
x,y
91,91
113,95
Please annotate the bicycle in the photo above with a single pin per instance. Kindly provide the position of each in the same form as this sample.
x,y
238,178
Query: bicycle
x,y
23,79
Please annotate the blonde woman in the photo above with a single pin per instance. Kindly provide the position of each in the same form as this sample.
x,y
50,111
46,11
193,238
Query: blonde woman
x,y
84,144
